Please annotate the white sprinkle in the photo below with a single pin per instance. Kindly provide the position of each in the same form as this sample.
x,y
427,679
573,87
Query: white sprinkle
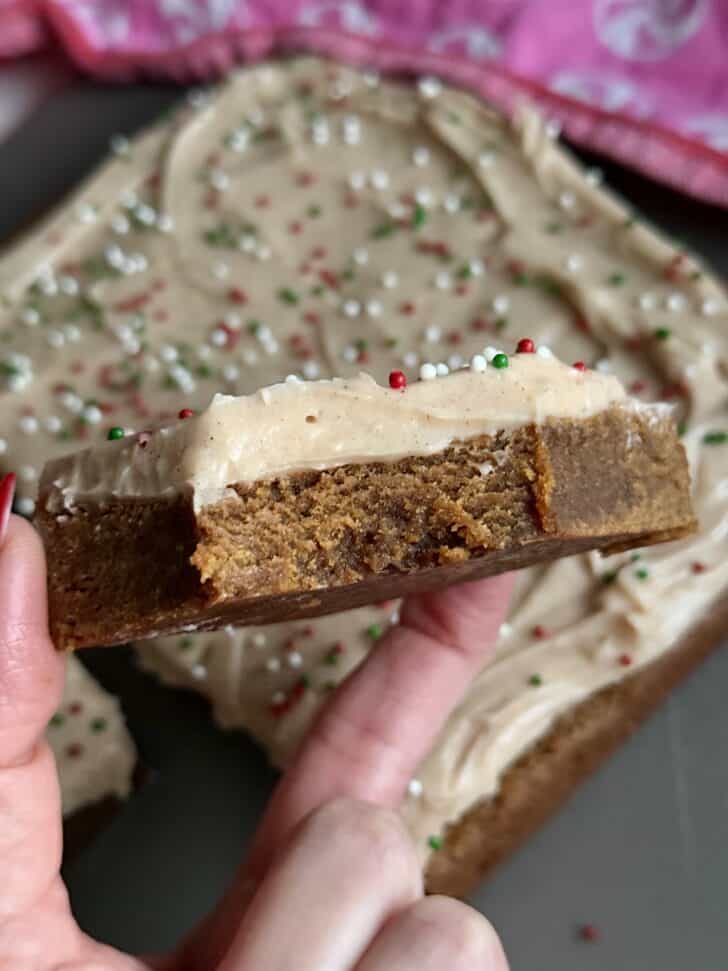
x,y
231,372
264,334
199,672
603,365
233,321
295,659
489,353
68,284
478,363
271,346
352,130
151,364
455,361
239,140
29,315
389,279
486,158
357,180
594,176
165,223
428,372
86,213
501,304
350,353
71,402
219,180
351,308
247,243
574,263
48,285
264,252
218,337
361,255
415,788
3,446
25,506
443,280
647,301
477,267
28,425
120,224
397,210
168,353
129,199
55,338
92,414
410,359
442,369
197,98
341,88
258,640
140,262
451,202
379,179
27,473
250,356
675,302
424,196
320,132
119,144
311,370
544,351
429,87
433,333
421,156
552,128
17,382
256,116
371,78
145,214
220,270
53,424
278,698
505,630
375,308
567,200
114,255
292,379
709,307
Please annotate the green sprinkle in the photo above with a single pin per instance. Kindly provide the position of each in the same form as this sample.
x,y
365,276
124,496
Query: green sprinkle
x,y
553,228
374,631
549,285
318,290
383,230
390,342
635,556
501,323
500,361
715,438
286,295
642,574
520,279
347,274
360,344
332,657
57,720
615,279
329,686
464,272
419,216
253,327
204,371
609,577
98,725
314,211
536,680
662,333
682,428
696,275
8,370
434,842
115,433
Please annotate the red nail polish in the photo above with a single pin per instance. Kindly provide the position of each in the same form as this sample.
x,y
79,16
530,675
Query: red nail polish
x,y
7,491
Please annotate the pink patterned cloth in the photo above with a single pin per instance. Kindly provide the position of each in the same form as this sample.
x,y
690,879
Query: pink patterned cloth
x,y
644,81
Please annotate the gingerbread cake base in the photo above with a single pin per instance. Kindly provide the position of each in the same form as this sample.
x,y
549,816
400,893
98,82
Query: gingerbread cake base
x,y
316,542
539,783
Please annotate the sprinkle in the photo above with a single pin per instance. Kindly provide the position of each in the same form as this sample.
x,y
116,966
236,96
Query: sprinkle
x,y
544,351
374,631
625,660
92,414
429,87
428,372
30,316
451,203
286,295
361,255
28,424
574,263
698,567
383,230
115,433
588,932
25,506
594,176
539,632
715,438
535,680
351,308
455,362
421,155
434,842
662,333
357,180
615,279
642,574
442,370
419,216
186,413
443,280
500,361
415,788
501,304
525,346
567,200
410,359
478,363
433,333
273,664
397,380
86,213
486,158
489,353
675,302
294,659
379,179
578,366
552,128
647,301
709,307
389,279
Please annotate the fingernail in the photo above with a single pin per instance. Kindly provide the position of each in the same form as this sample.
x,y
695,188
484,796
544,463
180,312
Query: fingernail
x,y
7,491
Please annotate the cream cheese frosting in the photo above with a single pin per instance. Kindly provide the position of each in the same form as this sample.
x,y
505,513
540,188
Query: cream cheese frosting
x,y
297,425
310,219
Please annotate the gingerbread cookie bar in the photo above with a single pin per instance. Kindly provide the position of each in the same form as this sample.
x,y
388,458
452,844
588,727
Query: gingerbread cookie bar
x,y
307,497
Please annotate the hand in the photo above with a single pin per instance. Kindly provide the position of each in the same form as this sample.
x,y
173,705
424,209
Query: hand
x,y
332,882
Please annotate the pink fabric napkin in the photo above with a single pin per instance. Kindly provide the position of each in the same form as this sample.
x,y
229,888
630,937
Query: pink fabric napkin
x,y
644,81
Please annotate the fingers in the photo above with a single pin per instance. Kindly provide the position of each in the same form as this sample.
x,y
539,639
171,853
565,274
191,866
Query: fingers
x,y
31,681
434,934
347,870
379,725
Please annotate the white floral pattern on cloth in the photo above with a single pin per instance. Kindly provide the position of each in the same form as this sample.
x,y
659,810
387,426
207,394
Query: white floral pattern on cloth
x,y
606,91
712,128
647,30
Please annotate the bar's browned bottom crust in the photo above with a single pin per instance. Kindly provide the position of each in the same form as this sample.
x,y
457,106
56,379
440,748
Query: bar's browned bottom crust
x,y
539,782
317,542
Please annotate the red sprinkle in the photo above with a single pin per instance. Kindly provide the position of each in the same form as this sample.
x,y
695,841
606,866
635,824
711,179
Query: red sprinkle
x,y
305,179
362,357
579,366
539,631
637,387
211,199
625,660
407,307
186,413
133,303
583,325
525,346
262,202
397,380
698,567
295,227
329,278
311,317
461,289
74,750
589,932
75,708
319,253
479,324
236,295
454,337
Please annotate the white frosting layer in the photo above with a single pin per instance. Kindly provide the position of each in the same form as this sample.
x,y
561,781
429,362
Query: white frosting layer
x,y
299,425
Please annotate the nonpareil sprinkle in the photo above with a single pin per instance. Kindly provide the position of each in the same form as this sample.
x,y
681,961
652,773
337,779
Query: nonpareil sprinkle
x,y
374,631
500,361
115,433
434,842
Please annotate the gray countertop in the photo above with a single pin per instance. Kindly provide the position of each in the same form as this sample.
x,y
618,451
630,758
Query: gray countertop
x,y
641,851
